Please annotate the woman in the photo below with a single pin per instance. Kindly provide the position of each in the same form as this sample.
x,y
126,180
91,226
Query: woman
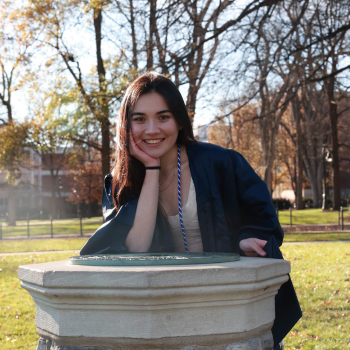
x,y
168,192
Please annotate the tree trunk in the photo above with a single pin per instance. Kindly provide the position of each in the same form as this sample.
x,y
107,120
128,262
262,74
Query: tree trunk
x,y
299,189
319,181
106,149
335,145
103,102
53,197
191,102
152,24
11,205
133,35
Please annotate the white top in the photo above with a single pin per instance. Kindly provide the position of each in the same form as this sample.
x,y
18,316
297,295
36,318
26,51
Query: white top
x,y
191,224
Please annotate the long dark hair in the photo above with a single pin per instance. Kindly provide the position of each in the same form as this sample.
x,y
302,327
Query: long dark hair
x,y
128,172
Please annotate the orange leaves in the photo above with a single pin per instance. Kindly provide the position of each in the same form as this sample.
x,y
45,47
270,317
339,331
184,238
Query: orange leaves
x,y
293,334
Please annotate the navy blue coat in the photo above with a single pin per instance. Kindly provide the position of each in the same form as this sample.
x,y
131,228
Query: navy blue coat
x,y
233,204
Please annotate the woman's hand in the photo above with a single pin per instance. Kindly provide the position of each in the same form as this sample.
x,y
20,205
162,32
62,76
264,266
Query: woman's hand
x,y
142,156
253,246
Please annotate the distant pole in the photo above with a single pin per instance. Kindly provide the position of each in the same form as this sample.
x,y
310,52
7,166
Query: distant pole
x,y
339,216
81,226
51,226
1,230
28,225
290,216
324,198
342,218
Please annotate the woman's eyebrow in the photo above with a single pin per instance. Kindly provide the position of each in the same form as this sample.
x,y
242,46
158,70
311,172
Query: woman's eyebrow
x,y
160,112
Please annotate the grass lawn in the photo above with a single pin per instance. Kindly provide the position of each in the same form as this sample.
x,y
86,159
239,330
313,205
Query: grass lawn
x,y
17,309
313,237
311,216
59,227
42,245
320,273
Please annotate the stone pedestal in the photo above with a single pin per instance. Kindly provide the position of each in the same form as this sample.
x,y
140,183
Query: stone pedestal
x,y
226,306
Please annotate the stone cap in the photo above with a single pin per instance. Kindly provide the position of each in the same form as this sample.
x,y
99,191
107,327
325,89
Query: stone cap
x,y
60,274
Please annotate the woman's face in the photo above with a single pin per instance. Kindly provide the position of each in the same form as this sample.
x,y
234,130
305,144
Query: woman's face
x,y
153,126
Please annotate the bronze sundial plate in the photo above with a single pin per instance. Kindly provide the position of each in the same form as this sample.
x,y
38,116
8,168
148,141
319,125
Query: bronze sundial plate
x,y
151,259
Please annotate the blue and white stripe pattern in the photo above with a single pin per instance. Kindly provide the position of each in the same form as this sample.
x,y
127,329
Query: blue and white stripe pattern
x,y
179,195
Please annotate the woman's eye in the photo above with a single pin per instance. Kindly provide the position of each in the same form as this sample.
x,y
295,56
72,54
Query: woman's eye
x,y
164,117
138,119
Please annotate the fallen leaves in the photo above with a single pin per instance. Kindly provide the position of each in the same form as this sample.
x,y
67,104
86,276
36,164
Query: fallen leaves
x,y
8,308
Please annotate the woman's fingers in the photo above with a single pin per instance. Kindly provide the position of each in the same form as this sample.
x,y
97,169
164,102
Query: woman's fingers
x,y
142,156
257,245
253,246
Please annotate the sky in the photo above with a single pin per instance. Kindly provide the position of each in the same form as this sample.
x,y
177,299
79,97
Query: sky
x,y
209,97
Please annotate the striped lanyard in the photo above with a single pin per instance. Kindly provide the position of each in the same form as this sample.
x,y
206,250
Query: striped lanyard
x,y
179,195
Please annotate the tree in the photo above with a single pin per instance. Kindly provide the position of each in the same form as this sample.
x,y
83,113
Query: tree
x,y
85,180
99,89
239,133
15,56
13,155
182,38
48,136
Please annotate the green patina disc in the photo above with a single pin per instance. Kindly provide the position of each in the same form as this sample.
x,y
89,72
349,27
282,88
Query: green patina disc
x,y
151,259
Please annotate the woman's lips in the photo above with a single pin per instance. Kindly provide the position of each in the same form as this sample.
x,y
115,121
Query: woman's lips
x,y
153,142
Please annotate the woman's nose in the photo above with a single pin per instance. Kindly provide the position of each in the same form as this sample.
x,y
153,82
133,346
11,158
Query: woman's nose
x,y
152,127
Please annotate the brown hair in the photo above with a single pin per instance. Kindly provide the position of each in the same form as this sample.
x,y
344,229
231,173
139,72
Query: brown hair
x,y
128,172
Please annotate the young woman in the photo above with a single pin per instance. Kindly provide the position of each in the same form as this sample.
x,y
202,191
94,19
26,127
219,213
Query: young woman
x,y
168,192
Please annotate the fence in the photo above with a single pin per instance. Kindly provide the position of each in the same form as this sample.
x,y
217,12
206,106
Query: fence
x,y
49,228
314,217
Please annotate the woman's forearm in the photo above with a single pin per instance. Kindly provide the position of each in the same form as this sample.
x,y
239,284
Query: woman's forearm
x,y
140,235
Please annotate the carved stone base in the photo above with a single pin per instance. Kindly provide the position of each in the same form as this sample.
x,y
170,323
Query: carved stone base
x,y
226,306
263,342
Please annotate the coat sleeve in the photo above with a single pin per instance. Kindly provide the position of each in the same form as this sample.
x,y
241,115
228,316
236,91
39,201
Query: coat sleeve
x,y
110,237
259,220
258,215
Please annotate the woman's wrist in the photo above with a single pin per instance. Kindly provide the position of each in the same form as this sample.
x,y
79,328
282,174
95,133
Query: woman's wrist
x,y
152,167
152,164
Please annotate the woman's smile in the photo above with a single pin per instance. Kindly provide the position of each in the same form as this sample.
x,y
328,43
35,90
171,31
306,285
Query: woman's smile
x,y
154,142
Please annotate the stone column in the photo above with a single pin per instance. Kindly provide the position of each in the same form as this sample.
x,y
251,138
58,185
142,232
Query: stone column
x,y
226,306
